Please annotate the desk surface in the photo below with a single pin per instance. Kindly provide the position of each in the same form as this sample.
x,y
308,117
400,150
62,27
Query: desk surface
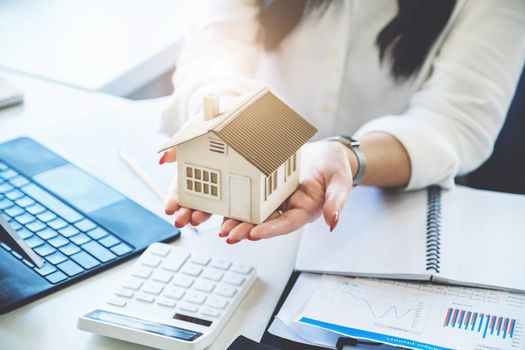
x,y
68,120
110,46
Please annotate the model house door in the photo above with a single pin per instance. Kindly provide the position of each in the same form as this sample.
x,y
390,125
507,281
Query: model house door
x,y
239,197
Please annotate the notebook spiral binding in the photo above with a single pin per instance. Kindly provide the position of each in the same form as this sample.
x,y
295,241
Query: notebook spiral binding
x,y
433,229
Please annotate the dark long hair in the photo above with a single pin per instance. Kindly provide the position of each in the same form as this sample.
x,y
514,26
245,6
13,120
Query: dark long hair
x,y
404,42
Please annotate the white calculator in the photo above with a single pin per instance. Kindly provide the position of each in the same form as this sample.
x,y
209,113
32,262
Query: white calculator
x,y
172,299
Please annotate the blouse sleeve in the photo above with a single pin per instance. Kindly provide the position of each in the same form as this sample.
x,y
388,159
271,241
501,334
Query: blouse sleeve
x,y
453,120
219,56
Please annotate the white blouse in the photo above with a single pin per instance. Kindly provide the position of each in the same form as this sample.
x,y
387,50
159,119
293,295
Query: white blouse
x,y
447,116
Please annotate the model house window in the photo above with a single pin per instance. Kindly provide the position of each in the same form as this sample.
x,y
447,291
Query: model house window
x,y
202,181
290,166
217,146
270,184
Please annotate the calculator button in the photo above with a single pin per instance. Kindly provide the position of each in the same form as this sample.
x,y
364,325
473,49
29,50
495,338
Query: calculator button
x,y
188,307
150,261
200,260
195,298
153,288
234,280
162,276
117,302
183,281
145,298
213,275
142,272
221,264
173,263
166,302
204,286
210,312
217,303
133,284
159,250
125,293
174,293
226,291
192,270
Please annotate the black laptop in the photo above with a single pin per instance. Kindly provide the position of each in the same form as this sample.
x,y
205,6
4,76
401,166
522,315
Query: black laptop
x,y
61,225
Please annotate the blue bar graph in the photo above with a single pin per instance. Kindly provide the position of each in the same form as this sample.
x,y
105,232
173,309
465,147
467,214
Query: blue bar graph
x,y
479,323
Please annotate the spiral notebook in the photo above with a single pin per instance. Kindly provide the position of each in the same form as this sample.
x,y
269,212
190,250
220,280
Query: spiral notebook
x,y
462,236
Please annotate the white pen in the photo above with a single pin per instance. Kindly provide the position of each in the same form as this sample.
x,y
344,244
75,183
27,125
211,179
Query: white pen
x,y
142,175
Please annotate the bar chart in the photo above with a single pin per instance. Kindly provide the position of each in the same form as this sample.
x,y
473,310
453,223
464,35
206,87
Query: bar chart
x,y
481,323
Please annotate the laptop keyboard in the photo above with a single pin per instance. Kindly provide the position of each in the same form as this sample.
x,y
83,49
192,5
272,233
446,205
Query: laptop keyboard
x,y
69,242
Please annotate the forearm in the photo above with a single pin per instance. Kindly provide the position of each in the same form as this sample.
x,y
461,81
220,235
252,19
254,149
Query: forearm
x,y
388,163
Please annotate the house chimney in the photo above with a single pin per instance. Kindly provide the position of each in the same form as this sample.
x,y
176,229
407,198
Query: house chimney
x,y
210,106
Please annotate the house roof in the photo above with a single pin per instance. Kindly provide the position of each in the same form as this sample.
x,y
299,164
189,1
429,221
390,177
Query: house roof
x,y
261,128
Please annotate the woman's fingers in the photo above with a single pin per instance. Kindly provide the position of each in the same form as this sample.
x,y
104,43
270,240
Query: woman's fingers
x,y
228,225
172,198
291,220
168,156
239,232
198,217
183,217
336,193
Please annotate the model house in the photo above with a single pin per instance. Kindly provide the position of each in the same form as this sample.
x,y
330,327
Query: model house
x,y
240,161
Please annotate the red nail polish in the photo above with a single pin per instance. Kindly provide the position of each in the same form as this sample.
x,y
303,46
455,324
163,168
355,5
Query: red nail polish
x,y
162,159
335,220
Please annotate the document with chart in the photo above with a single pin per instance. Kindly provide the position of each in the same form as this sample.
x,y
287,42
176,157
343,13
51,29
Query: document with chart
x,y
416,315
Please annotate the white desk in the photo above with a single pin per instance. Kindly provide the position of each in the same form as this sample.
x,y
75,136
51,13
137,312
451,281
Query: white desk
x,y
89,128
113,46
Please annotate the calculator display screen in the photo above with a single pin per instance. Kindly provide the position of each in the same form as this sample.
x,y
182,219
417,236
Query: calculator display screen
x,y
143,325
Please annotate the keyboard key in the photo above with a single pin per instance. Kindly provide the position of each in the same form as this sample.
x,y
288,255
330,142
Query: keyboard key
x,y
5,187
142,272
174,263
234,280
121,249
36,226
70,249
85,225
210,312
47,233
221,264
133,284
5,203
46,216
14,211
98,251
97,233
8,174
213,275
25,219
191,270
51,203
70,268
46,269
35,209
57,224
147,298
200,260
3,166
217,303
148,260
124,293
16,255
174,292
188,307
166,302
56,277
183,281
226,291
195,298
159,250
58,241
5,246
44,249
153,288
15,225
162,276
28,263
56,258
85,260
69,231
14,195
18,181
80,239
24,233
117,302
34,241
109,241
25,202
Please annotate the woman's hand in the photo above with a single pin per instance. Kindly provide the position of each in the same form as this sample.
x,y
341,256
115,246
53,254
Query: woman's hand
x,y
326,180
184,216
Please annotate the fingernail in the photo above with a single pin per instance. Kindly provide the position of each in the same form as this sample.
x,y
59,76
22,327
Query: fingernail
x,y
231,241
162,159
335,220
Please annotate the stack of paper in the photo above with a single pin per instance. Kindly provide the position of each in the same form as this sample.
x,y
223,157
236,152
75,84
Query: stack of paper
x,y
321,308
